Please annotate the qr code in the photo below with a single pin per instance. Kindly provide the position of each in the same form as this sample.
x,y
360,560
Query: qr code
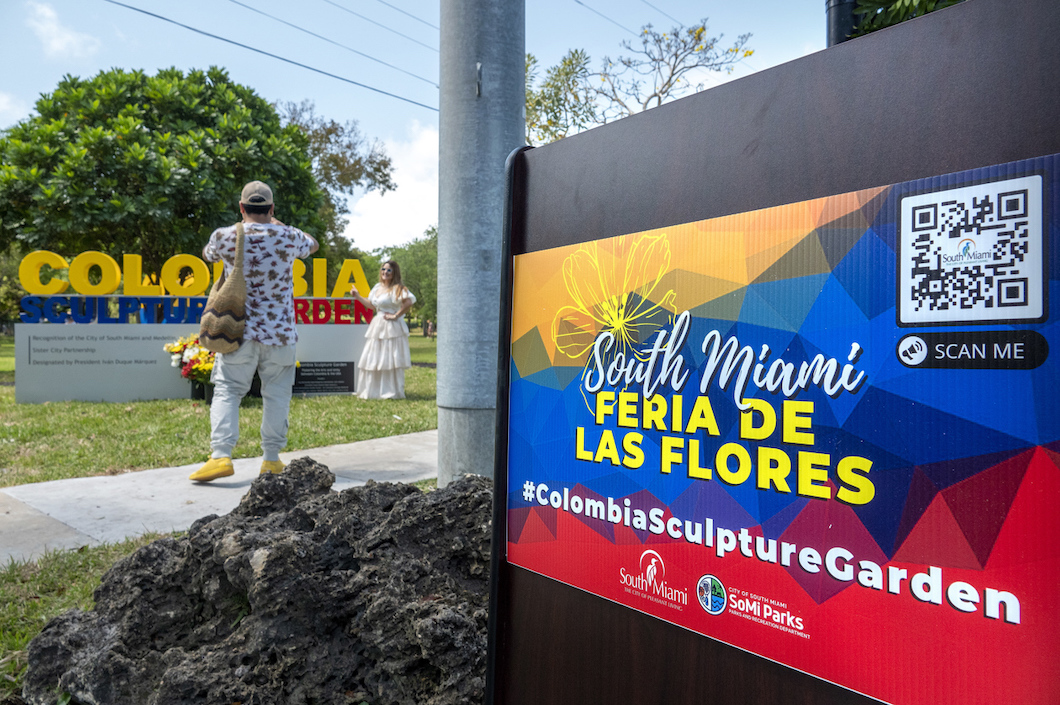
x,y
972,254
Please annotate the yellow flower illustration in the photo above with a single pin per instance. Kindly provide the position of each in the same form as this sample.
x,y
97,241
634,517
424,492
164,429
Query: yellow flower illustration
x,y
615,288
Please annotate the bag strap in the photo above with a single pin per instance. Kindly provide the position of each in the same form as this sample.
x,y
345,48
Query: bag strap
x,y
239,248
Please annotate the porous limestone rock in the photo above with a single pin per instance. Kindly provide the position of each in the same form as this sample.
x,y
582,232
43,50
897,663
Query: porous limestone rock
x,y
299,596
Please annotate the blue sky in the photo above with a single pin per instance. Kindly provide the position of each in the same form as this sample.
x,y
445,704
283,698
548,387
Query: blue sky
x,y
390,45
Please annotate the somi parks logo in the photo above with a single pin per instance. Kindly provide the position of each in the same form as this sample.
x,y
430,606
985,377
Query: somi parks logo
x,y
712,595
650,581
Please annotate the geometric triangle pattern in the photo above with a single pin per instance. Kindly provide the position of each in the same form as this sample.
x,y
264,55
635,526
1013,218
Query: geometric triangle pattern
x,y
956,458
922,492
829,524
1032,517
538,525
937,539
981,503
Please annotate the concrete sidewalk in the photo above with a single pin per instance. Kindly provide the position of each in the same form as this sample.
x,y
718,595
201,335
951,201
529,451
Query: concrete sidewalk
x,y
92,510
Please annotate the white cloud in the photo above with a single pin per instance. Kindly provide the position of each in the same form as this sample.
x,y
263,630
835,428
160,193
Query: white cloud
x,y
58,41
383,220
11,110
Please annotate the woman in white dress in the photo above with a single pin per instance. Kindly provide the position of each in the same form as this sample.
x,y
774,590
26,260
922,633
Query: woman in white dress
x,y
381,370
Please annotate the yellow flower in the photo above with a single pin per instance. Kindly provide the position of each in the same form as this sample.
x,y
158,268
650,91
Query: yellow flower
x,y
615,288
195,363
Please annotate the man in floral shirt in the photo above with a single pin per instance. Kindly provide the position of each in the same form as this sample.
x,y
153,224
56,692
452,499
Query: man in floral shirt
x,y
269,250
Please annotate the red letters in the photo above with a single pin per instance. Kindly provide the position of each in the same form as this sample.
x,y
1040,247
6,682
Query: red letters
x,y
321,310
301,310
342,308
360,311
337,311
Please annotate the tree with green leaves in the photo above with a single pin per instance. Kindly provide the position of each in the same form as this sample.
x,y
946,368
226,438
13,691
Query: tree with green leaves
x,y
344,161
11,292
663,67
563,103
873,15
129,163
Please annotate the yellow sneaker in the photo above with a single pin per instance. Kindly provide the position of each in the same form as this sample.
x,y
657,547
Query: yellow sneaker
x,y
213,469
273,466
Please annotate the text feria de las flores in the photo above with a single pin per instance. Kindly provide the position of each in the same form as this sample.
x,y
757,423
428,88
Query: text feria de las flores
x,y
643,391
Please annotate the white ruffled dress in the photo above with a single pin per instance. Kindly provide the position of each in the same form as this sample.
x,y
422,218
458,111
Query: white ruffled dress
x,y
381,370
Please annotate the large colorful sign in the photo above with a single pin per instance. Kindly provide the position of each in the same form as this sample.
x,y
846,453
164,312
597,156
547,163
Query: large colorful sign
x,y
826,433
104,358
176,296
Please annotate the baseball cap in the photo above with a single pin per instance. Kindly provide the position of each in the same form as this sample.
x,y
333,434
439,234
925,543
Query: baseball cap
x,y
256,193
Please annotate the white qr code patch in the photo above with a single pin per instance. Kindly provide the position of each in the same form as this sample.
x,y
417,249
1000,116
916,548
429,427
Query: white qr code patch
x,y
972,254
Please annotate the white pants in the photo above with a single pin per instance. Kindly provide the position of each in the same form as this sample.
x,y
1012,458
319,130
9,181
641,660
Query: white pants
x,y
232,376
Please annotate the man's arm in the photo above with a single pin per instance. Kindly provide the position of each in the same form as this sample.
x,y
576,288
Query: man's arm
x,y
315,246
209,250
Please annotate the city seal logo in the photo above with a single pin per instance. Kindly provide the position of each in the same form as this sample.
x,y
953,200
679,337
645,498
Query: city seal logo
x,y
712,595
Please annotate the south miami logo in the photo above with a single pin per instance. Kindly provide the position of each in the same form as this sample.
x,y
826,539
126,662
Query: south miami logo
x,y
655,570
966,253
651,584
652,576
712,595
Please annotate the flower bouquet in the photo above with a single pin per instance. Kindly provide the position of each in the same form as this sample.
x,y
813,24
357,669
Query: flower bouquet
x,y
195,362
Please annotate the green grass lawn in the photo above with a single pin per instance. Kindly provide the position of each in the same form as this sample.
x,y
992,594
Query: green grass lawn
x,y
58,440
7,359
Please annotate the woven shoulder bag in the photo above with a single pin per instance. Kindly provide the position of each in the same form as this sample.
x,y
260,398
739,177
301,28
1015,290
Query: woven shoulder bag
x,y
225,315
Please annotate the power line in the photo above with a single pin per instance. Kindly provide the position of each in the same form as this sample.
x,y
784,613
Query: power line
x,y
661,12
606,18
329,41
409,14
366,19
273,56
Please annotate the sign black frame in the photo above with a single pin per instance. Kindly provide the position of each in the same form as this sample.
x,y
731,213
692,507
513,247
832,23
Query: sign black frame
x,y
969,86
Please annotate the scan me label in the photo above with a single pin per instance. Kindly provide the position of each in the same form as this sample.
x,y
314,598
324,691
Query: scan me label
x,y
974,350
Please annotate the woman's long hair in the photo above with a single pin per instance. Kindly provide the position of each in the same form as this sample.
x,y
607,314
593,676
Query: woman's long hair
x,y
396,285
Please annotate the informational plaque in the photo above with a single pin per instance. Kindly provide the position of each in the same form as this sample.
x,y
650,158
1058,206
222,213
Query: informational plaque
x,y
318,378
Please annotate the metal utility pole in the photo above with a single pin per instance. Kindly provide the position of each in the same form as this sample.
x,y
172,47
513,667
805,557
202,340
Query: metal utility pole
x,y
483,55
840,18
